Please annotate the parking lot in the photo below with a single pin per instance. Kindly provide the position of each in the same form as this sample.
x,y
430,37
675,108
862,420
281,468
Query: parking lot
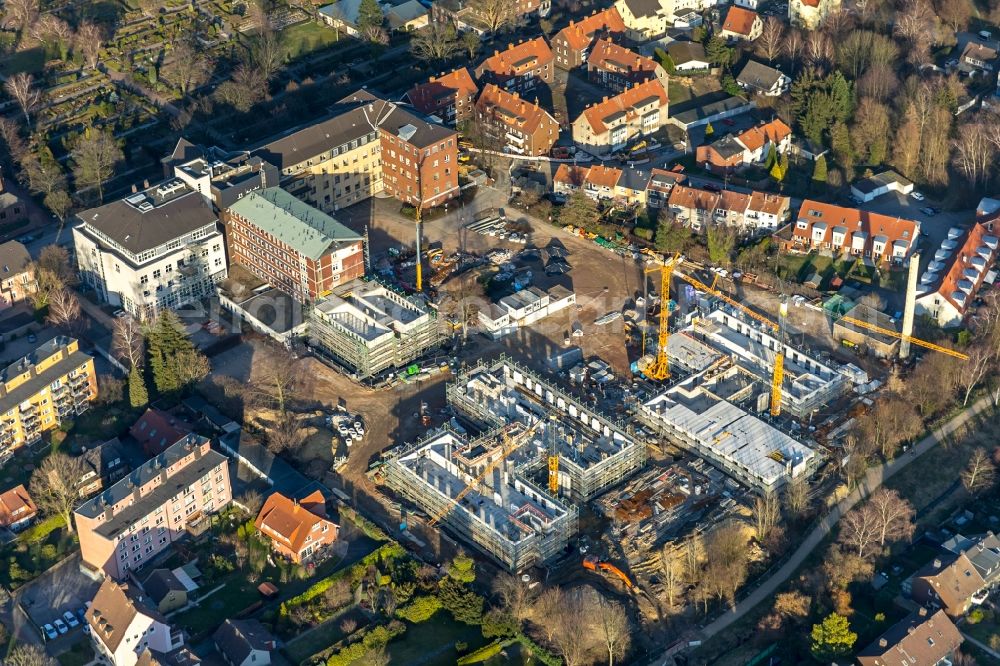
x,y
62,588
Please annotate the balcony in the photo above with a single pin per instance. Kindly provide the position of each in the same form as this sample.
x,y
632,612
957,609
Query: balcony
x,y
76,380
32,408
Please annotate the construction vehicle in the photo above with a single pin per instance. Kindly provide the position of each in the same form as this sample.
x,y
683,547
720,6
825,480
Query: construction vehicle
x,y
508,446
594,564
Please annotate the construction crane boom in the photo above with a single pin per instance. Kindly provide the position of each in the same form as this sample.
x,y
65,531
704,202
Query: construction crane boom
x,y
510,444
915,341
660,368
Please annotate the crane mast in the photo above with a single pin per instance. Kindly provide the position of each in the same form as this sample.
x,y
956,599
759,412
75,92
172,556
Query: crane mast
x,y
779,361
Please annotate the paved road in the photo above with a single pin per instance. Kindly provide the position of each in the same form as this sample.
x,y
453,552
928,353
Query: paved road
x,y
875,477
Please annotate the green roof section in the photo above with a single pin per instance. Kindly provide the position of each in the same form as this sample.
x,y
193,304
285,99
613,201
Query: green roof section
x,y
307,230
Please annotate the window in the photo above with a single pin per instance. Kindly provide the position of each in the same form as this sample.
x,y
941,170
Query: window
x,y
156,274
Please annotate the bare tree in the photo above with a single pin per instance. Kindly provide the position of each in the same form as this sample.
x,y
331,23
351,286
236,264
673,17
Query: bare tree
x,y
55,486
818,49
470,42
188,66
981,363
766,511
28,654
64,309
50,29
614,629
252,501
376,34
859,529
797,495
726,570
771,40
95,157
793,46
22,88
127,342
574,634
974,152
284,434
547,607
497,15
436,42
893,516
955,13
979,473
21,13
89,40
515,596
277,379
672,566
377,656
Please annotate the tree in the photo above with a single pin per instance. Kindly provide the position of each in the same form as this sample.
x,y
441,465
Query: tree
x,y
797,495
718,52
777,173
721,241
819,171
832,638
174,361
726,570
771,39
470,42
438,41
981,363
548,606
54,486
462,568
766,512
89,39
573,633
840,143
672,566
22,88
667,61
709,130
61,205
955,13
369,15
671,236
246,87
979,473
284,434
64,310
794,605
28,654
870,131
772,157
859,529
95,157
138,395
277,379
614,629
893,515
580,211
974,153
377,656
188,66
253,502
127,343
50,29
516,598
496,15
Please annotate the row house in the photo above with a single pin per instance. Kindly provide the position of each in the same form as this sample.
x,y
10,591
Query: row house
x,y
520,68
451,96
959,578
751,146
291,245
921,638
128,525
748,212
661,184
742,24
848,231
956,273
612,123
521,127
623,186
617,68
573,42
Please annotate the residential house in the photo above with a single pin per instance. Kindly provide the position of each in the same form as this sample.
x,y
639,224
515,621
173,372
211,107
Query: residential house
x,y
632,187
103,465
688,56
809,14
292,245
749,4
569,178
742,24
157,430
523,308
55,383
661,184
848,231
617,68
763,80
124,625
17,509
519,126
978,57
471,16
767,211
407,16
612,123
866,189
751,146
710,112
132,522
181,656
692,207
957,272
342,15
601,182
645,19
451,96
17,276
158,249
165,591
721,156
244,643
298,529
572,42
922,638
520,68
748,212
13,212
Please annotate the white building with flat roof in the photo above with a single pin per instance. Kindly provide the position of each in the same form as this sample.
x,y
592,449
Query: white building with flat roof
x,y
523,308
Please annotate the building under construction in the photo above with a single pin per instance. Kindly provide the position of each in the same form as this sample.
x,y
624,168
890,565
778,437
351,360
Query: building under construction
x,y
504,515
368,328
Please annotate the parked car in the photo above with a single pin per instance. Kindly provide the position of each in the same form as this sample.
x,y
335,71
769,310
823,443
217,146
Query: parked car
x,y
50,632
71,620
60,626
917,196
928,211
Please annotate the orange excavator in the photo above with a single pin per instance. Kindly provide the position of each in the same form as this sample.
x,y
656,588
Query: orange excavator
x,y
594,564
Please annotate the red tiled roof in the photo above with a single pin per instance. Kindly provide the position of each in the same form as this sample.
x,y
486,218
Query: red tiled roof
x,y
571,175
625,102
290,522
675,177
693,198
960,260
602,176
772,204
853,220
734,201
156,430
739,21
774,131
518,58
513,111
16,505
580,34
610,56
426,96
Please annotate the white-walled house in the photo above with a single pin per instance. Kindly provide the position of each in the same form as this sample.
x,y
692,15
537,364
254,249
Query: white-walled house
x,y
523,309
124,625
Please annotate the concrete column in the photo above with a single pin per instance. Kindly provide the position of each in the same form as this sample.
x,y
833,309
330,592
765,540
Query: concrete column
x,y
910,305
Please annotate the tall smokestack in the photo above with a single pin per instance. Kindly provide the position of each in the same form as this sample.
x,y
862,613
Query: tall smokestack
x,y
910,306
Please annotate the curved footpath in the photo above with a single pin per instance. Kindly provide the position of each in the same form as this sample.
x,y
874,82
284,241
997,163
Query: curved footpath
x,y
876,477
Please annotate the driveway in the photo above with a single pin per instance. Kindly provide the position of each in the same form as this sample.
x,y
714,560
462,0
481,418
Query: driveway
x,y
61,588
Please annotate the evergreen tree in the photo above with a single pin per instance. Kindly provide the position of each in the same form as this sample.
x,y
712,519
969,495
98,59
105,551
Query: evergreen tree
x,y
777,173
138,396
668,63
840,142
819,170
709,130
580,211
174,361
718,52
671,236
833,638
369,14
841,96
772,157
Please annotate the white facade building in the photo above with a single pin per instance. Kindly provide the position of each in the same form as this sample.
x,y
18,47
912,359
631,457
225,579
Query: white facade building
x,y
123,626
161,248
523,309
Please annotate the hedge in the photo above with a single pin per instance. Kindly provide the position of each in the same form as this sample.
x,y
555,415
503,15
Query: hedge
x,y
538,652
484,653
389,551
420,609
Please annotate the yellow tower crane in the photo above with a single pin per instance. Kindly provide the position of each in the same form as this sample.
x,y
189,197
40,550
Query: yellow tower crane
x,y
779,361
659,369
553,457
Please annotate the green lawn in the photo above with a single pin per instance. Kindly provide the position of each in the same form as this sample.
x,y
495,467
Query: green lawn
x,y
30,60
432,643
677,92
321,637
299,40
79,654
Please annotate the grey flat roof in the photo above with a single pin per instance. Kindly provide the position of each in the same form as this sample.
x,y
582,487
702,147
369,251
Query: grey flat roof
x,y
308,230
696,113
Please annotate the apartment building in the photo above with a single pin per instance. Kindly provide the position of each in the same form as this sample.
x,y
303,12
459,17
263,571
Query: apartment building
x,y
645,19
742,24
451,96
129,524
222,177
849,231
923,637
368,146
517,125
751,212
54,383
295,247
153,250
809,14
614,122
571,44
17,277
520,68
617,68
125,629
957,273
470,16
298,529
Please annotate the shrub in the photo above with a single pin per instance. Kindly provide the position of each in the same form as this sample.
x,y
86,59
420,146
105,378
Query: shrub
x,y
643,233
482,654
499,623
420,609
464,604
976,616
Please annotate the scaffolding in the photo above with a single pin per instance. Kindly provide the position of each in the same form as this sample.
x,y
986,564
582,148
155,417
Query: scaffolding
x,y
368,328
